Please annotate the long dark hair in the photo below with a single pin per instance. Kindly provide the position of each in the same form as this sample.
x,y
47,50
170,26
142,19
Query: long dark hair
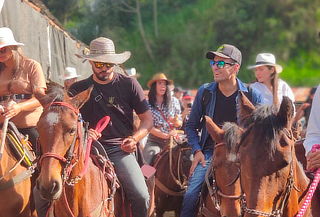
x,y
153,92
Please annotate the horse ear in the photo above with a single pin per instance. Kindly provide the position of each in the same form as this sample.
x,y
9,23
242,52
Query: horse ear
x,y
41,96
286,113
246,108
216,133
80,99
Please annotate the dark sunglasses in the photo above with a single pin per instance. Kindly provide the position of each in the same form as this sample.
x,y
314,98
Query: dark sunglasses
x,y
100,65
220,64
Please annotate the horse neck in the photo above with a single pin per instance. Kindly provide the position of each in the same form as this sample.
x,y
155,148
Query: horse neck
x,y
301,182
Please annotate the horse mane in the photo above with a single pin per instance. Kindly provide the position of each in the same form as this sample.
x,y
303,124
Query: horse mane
x,y
55,91
264,120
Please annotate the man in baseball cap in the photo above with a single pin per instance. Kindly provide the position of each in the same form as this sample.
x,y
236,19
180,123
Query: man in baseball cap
x,y
226,51
217,100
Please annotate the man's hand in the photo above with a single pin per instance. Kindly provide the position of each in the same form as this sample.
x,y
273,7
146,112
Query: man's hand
x,y
129,144
313,160
93,134
198,158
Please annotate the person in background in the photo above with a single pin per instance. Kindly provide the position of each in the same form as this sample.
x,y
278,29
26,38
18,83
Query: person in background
x,y
267,82
70,76
187,101
313,133
221,106
166,115
20,78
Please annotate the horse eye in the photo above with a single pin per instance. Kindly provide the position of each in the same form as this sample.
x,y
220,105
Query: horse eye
x,y
72,131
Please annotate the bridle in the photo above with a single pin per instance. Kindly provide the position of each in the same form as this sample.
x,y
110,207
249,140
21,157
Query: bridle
x,y
72,156
215,193
278,212
180,179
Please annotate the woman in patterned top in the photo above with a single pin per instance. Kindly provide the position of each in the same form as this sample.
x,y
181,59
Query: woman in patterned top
x,y
166,114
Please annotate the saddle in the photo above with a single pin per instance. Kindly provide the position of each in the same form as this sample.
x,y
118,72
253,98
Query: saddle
x,y
19,146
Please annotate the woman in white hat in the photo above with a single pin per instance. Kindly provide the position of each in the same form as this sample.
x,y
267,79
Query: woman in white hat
x,y
267,81
69,77
20,77
166,113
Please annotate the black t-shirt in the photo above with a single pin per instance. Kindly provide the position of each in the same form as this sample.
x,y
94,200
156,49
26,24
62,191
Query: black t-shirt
x,y
120,97
225,111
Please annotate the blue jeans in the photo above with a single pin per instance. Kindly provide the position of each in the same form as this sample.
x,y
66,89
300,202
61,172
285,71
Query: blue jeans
x,y
190,199
131,178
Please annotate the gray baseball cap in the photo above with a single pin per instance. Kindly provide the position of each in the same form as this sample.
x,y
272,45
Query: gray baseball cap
x,y
226,51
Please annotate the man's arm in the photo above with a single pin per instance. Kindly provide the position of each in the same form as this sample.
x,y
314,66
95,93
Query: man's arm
x,y
146,123
193,123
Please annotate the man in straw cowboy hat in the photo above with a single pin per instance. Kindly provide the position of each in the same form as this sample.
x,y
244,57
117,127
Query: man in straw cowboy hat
x,y
218,100
117,96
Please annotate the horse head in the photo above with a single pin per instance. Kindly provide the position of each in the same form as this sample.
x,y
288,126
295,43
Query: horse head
x,y
59,128
267,159
225,167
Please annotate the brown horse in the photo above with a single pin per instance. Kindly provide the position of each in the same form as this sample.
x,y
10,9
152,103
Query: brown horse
x,y
15,186
271,177
68,177
173,164
224,192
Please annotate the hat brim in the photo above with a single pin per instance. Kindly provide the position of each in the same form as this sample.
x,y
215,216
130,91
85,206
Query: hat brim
x,y
277,66
149,84
69,77
108,58
211,54
11,44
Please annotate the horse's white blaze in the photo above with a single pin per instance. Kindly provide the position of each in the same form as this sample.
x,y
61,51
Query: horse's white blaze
x,y
52,118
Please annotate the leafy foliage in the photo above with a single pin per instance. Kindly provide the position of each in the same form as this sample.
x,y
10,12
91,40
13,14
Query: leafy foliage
x,y
173,36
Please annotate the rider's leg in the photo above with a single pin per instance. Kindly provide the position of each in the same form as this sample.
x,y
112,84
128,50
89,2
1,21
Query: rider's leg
x,y
150,150
131,179
190,199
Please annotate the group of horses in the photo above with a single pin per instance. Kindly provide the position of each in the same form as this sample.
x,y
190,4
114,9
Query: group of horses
x,y
254,171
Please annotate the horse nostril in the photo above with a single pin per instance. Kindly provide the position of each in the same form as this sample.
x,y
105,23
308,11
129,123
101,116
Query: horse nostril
x,y
55,187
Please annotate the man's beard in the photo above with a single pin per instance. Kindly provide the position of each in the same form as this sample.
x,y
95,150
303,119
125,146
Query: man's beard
x,y
103,75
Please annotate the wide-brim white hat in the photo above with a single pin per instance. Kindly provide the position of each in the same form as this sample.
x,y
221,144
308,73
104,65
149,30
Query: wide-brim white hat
x,y
103,50
7,38
266,59
70,73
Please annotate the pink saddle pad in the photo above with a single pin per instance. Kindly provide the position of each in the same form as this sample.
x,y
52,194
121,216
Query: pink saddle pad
x,y
148,171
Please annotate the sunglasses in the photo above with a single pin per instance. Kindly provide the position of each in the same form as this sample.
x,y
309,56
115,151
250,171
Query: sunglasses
x,y
220,64
100,65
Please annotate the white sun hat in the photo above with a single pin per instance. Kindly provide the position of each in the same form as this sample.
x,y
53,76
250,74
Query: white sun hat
x,y
7,38
69,73
266,59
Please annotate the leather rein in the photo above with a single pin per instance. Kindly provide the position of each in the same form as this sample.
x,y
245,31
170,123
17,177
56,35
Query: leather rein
x,y
215,193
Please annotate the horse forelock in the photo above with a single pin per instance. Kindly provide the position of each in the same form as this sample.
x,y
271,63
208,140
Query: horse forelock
x,y
232,136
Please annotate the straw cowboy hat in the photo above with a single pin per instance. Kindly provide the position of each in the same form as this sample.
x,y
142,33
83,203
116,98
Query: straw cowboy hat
x,y
159,77
102,50
69,73
7,38
266,59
